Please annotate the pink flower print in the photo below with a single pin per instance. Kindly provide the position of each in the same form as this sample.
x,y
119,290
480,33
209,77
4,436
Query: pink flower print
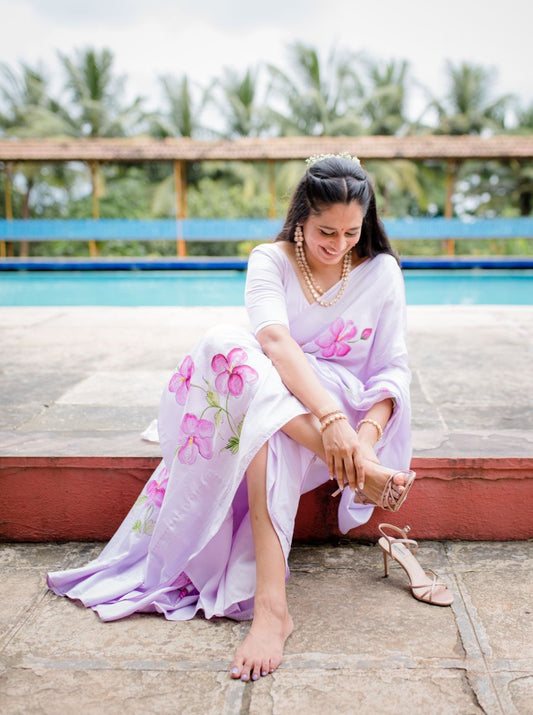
x,y
367,332
180,382
335,341
155,491
195,439
232,374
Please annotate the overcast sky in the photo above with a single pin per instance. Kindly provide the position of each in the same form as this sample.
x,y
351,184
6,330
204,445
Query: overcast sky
x,y
154,37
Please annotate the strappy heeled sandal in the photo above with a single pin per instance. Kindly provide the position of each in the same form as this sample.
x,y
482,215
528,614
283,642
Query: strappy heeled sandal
x,y
390,498
423,587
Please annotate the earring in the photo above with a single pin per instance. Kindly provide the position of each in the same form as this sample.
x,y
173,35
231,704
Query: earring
x,y
298,234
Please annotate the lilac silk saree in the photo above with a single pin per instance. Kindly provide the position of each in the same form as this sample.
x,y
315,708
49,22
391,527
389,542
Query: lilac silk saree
x,y
186,544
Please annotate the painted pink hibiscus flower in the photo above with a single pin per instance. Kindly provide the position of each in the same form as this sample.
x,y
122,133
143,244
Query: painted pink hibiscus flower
x,y
335,341
232,373
195,439
180,382
155,491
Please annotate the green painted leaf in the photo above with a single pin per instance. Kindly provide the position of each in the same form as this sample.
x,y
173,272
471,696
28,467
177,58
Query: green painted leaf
x,y
233,445
149,527
212,398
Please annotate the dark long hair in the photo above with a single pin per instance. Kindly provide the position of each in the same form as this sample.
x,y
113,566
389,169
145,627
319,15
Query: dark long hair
x,y
336,180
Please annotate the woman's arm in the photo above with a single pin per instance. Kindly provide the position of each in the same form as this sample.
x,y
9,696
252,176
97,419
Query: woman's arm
x,y
295,370
345,450
368,433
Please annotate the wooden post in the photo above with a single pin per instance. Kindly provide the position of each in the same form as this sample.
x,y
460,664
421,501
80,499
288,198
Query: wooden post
x,y
272,187
451,175
94,250
9,206
180,191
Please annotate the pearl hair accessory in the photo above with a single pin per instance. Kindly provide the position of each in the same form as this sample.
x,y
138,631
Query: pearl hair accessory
x,y
320,157
315,290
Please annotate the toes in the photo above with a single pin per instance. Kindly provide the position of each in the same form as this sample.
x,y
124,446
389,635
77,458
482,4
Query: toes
x,y
245,676
274,663
236,668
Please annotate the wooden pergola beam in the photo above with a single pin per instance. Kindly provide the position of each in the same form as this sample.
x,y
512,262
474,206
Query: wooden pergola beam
x,y
144,149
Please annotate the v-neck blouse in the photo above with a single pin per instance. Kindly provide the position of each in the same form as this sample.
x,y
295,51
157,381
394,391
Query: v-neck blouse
x,y
273,293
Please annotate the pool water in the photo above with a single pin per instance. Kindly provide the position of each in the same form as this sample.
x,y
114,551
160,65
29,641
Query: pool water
x,y
196,288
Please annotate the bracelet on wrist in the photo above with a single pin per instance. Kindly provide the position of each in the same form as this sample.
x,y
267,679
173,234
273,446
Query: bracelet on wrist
x,y
330,419
329,414
371,422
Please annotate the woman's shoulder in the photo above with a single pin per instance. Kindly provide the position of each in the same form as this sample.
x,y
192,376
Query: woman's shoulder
x,y
272,251
271,248
386,274
386,259
386,264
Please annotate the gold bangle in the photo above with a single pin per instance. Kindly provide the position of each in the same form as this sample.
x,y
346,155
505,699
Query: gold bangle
x,y
371,422
330,420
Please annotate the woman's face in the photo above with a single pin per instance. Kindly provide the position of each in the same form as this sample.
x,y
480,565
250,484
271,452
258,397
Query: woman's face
x,y
330,234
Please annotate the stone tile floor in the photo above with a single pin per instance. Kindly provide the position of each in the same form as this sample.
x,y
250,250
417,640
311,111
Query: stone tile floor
x,y
361,645
70,374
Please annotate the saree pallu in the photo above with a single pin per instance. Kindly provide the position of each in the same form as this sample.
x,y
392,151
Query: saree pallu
x,y
186,544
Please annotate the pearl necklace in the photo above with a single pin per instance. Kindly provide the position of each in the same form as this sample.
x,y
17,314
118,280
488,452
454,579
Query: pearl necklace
x,y
315,290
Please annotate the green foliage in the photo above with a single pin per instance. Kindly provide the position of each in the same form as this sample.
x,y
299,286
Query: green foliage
x,y
342,94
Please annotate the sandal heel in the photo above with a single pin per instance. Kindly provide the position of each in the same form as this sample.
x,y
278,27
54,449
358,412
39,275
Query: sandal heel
x,y
385,563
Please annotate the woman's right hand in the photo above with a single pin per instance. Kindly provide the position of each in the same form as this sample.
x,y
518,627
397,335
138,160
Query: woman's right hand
x,y
344,454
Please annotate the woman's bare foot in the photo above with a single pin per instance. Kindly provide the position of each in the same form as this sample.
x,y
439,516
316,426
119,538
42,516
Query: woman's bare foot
x,y
261,652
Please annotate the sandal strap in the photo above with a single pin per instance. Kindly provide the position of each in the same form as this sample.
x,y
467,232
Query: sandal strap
x,y
432,586
391,501
406,529
411,544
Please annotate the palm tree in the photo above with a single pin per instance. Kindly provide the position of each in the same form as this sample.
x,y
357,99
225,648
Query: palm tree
x,y
235,98
385,97
96,96
397,185
510,183
184,104
469,107
27,110
316,98
97,106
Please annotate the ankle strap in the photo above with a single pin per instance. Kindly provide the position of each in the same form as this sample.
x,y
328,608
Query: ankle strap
x,y
406,529
411,544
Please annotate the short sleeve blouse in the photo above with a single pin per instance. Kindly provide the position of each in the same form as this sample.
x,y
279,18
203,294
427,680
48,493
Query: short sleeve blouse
x,y
272,290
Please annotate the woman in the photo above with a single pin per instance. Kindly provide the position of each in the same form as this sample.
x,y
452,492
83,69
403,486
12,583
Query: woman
x,y
249,421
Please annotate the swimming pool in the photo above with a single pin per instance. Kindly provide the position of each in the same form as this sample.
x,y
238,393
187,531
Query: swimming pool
x,y
218,287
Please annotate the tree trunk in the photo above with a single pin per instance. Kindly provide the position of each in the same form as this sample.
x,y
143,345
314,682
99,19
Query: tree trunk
x,y
524,202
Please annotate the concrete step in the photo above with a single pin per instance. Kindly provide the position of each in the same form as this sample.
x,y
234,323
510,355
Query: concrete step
x,y
78,385
86,498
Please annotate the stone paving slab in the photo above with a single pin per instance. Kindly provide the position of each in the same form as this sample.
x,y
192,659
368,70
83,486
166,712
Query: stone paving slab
x,y
361,645
471,389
